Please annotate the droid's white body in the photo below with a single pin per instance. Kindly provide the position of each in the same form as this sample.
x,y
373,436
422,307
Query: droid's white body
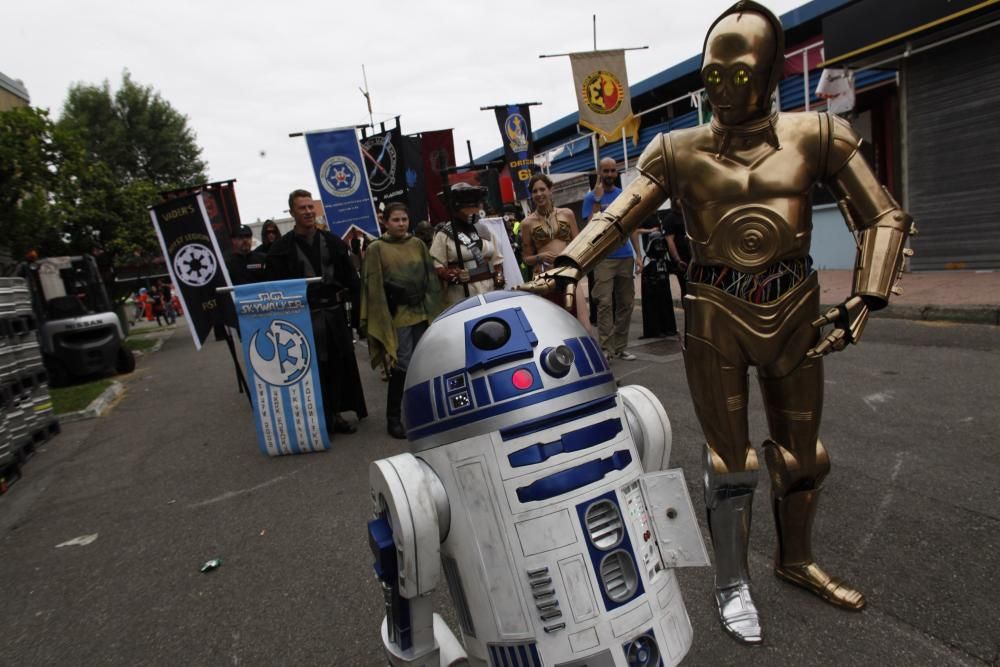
x,y
526,489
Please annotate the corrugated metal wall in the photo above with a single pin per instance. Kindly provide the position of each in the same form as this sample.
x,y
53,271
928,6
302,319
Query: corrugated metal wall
x,y
953,109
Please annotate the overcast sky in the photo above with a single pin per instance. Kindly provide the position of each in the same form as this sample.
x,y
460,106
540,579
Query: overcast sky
x,y
248,73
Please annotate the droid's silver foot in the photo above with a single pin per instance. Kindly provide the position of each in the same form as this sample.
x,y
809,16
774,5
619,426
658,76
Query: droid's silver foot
x,y
738,614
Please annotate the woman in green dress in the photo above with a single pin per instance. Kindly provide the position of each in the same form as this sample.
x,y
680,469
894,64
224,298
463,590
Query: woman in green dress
x,y
401,295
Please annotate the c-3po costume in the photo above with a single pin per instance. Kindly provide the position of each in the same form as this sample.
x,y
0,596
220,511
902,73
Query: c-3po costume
x,y
743,185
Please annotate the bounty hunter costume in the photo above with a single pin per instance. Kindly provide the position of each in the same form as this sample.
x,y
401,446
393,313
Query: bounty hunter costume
x,y
743,184
465,256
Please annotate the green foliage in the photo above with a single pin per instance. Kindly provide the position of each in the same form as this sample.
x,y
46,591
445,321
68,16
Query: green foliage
x,y
32,153
136,133
87,181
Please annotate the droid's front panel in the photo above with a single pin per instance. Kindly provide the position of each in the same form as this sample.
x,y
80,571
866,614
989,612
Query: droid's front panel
x,y
551,557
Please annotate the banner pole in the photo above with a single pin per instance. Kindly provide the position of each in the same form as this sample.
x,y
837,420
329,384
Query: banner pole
x,y
625,148
241,381
597,155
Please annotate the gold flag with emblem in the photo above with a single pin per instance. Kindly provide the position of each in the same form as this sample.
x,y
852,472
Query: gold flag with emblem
x,y
603,94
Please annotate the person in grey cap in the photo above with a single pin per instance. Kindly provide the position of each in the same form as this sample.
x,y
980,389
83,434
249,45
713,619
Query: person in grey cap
x,y
245,265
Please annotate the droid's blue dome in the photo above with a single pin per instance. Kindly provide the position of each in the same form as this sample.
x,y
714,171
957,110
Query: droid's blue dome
x,y
499,361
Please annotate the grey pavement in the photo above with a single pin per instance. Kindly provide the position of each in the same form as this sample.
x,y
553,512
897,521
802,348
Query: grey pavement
x,y
172,477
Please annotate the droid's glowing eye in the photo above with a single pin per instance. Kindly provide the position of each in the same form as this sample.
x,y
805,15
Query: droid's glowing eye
x,y
522,379
490,334
741,76
713,77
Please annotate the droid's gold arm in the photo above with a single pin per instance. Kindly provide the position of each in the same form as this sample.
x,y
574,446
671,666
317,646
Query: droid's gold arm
x,y
878,222
880,227
607,230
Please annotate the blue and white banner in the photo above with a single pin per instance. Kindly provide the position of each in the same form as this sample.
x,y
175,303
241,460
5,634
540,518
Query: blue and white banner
x,y
282,370
343,184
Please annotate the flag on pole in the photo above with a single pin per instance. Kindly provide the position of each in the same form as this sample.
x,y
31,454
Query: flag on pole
x,y
385,166
437,148
195,263
603,94
339,168
281,366
519,148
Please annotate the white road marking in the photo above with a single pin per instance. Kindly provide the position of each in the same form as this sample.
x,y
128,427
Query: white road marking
x,y
81,541
883,506
878,398
242,492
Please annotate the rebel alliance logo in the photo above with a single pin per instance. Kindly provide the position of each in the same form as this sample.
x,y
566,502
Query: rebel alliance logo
x,y
516,129
603,92
195,265
339,176
281,356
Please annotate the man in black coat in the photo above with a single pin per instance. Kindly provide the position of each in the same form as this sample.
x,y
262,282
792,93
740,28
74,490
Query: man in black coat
x,y
307,252
245,265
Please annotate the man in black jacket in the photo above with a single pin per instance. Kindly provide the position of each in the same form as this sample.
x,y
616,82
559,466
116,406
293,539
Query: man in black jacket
x,y
307,252
245,265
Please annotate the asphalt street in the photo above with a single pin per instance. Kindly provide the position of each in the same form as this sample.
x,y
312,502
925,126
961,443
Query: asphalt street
x,y
172,477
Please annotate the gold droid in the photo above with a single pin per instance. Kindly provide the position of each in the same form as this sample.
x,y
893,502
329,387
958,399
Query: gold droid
x,y
743,185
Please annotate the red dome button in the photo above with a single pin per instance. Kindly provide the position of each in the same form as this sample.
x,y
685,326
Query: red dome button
x,y
522,379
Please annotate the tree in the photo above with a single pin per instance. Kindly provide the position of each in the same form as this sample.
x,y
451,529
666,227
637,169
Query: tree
x,y
33,153
137,133
136,145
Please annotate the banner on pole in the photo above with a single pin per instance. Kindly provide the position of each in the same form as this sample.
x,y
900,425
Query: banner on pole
x,y
603,94
385,166
220,204
437,148
416,192
282,371
339,168
519,148
195,263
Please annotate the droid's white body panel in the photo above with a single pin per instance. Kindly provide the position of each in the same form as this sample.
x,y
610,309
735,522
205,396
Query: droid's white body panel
x,y
558,550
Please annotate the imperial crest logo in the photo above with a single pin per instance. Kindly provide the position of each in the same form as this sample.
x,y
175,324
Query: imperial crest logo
x,y
516,129
282,356
603,92
195,265
340,176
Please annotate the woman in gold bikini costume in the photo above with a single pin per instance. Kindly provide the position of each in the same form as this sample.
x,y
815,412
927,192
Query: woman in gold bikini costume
x,y
544,234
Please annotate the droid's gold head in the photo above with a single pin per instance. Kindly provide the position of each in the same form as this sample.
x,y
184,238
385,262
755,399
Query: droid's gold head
x,y
743,62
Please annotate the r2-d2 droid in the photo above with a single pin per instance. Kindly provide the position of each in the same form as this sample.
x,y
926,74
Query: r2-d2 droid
x,y
526,489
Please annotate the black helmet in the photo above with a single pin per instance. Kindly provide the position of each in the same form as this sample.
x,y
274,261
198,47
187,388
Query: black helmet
x,y
463,194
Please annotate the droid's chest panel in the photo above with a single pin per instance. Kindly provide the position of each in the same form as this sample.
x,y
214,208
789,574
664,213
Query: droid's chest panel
x,y
749,207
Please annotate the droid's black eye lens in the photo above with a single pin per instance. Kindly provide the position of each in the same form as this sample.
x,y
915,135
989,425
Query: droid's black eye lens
x,y
490,334
557,360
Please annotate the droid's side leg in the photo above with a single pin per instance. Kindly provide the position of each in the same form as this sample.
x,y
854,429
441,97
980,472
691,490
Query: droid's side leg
x,y
719,391
412,515
798,463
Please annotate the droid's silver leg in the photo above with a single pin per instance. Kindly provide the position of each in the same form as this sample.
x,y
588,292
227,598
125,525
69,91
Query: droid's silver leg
x,y
729,501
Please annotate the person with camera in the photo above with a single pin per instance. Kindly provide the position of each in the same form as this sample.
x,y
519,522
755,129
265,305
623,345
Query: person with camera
x,y
465,256
308,252
400,296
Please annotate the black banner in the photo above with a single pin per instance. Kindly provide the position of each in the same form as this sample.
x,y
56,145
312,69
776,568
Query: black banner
x,y
195,263
518,146
385,166
415,181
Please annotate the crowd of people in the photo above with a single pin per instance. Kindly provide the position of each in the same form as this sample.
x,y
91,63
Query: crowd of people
x,y
388,290
156,302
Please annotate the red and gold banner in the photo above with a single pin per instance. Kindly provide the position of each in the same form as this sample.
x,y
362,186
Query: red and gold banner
x,y
603,95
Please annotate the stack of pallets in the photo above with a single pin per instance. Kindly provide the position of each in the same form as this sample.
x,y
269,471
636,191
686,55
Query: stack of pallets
x,y
26,415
